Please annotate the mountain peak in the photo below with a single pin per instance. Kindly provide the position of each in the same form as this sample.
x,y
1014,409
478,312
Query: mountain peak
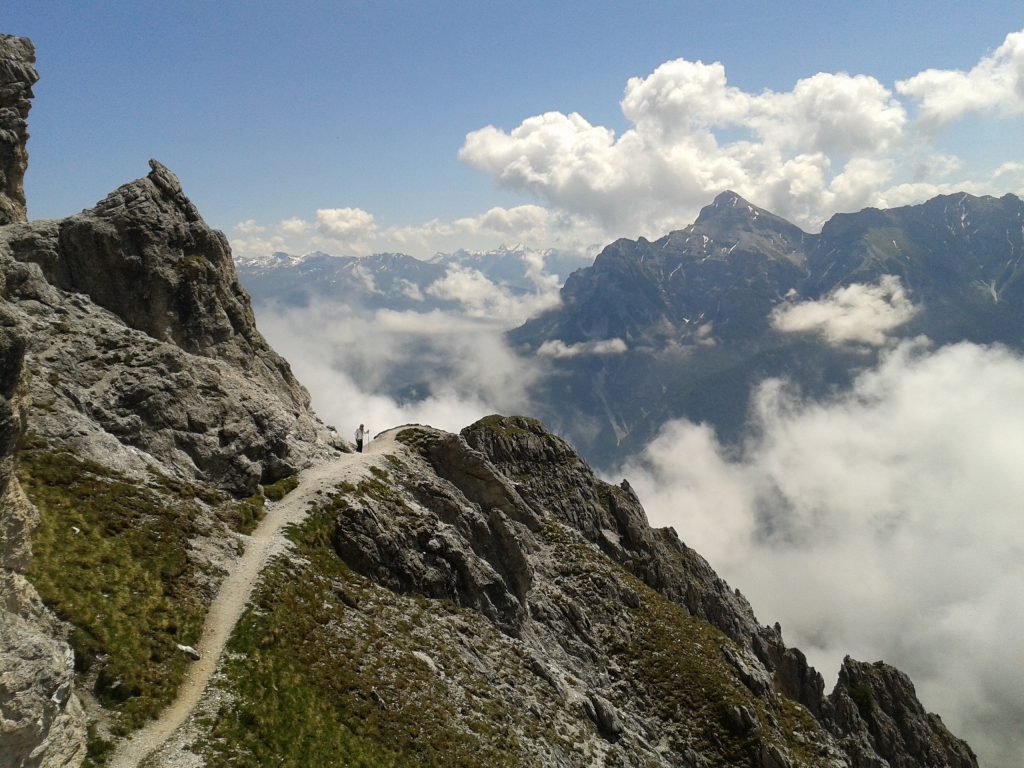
x,y
729,214
728,199
730,205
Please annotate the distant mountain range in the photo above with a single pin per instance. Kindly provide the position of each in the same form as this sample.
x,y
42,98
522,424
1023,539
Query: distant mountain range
x,y
686,325
394,280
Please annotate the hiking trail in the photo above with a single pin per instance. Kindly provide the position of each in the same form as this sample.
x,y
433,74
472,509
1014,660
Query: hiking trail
x,y
263,543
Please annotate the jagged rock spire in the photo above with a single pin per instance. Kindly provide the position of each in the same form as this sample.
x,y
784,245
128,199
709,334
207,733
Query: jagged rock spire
x,y
17,76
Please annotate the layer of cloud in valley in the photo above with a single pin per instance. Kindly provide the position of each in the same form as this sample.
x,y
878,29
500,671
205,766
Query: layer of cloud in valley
x,y
884,522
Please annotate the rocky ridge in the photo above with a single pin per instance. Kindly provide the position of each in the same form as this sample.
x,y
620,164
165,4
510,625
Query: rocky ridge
x,y
155,358
558,629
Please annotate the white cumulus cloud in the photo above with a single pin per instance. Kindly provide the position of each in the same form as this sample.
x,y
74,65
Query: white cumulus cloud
x,y
833,142
996,83
344,223
559,349
853,314
793,147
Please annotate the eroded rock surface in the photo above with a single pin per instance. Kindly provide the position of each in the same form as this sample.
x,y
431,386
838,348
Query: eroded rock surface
x,y
17,76
875,711
144,350
883,724
42,722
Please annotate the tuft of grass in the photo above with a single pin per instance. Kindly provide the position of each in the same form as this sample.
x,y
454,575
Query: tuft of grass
x,y
280,489
413,436
243,515
110,559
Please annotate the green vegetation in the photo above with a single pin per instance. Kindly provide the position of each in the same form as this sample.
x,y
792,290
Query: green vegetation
x,y
514,426
280,489
412,436
323,671
243,515
111,560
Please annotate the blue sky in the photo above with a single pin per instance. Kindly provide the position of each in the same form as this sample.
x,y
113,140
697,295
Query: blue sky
x,y
271,112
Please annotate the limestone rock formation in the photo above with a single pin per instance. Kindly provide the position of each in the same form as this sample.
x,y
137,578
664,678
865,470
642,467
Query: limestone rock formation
x,y
622,622
549,475
874,709
473,553
17,76
144,347
42,723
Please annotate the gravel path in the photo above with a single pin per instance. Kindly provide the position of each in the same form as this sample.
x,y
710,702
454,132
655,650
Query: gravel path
x,y
266,541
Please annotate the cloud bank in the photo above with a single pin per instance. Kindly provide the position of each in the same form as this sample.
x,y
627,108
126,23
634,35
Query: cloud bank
x,y
852,315
355,232
387,368
482,298
896,508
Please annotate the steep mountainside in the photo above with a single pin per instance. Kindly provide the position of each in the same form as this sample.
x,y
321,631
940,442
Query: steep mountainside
x,y
479,599
483,600
697,311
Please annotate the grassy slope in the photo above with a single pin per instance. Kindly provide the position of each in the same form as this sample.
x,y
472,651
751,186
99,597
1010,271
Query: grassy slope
x,y
323,673
110,558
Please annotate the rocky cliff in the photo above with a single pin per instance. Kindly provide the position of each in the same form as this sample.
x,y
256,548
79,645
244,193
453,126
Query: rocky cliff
x,y
17,76
144,347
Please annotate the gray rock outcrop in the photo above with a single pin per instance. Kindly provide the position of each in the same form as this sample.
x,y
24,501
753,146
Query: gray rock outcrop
x,y
43,723
144,348
17,76
612,518
875,711
467,539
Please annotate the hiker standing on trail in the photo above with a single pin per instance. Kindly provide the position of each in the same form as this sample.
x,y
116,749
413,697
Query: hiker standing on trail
x,y
360,434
